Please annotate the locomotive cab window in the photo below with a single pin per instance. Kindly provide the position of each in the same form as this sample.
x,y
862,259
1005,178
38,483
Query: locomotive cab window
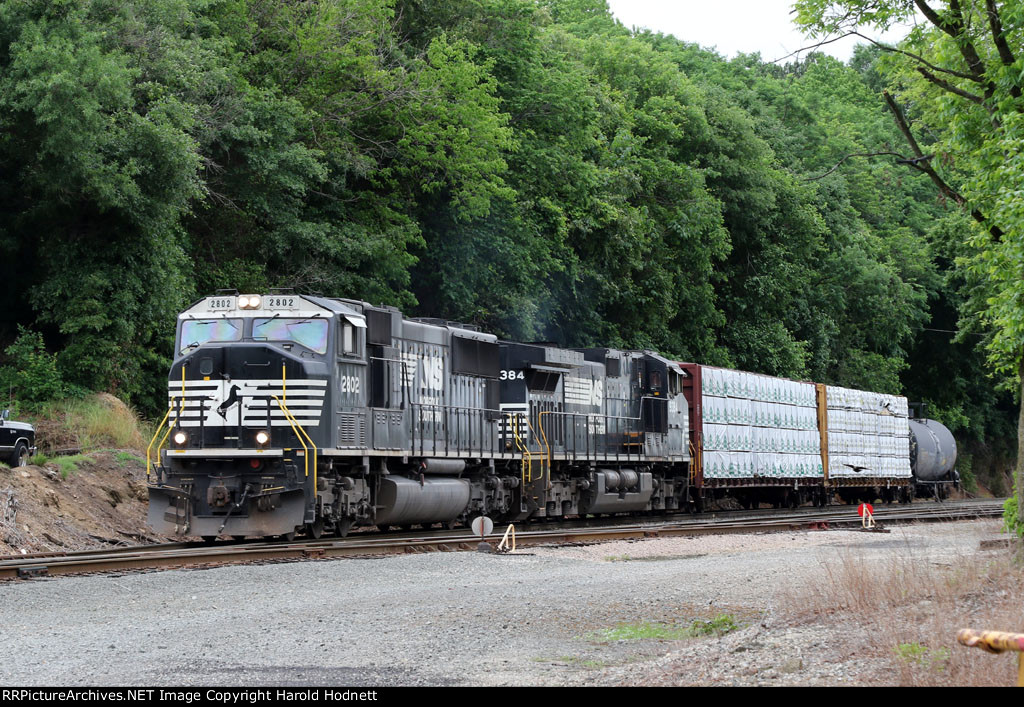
x,y
655,380
311,333
349,340
198,331
675,383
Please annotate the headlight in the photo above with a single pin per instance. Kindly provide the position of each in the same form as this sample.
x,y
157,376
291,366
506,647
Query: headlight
x,y
262,437
249,302
180,438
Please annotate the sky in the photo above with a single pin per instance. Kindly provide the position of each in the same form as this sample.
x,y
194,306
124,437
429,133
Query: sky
x,y
731,26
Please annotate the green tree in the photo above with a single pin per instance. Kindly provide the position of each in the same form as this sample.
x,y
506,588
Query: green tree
x,y
99,167
34,377
960,75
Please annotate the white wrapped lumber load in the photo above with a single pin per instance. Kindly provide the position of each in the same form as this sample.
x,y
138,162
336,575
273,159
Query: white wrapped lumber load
x,y
757,426
868,435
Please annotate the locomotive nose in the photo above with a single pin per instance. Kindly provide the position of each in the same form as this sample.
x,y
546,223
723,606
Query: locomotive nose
x,y
241,395
236,361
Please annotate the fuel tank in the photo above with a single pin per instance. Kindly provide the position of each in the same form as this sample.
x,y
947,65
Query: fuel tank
x,y
932,450
431,500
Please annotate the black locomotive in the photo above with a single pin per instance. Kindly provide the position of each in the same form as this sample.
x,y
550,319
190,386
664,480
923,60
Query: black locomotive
x,y
291,412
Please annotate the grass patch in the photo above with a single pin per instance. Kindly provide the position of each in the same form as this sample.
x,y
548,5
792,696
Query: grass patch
x,y
718,626
89,424
103,420
127,458
908,611
918,653
66,465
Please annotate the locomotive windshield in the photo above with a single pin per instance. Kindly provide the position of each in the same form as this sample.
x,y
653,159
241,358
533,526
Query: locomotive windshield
x,y
311,333
198,331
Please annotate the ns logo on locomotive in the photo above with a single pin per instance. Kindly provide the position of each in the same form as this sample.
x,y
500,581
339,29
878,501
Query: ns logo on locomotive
x,y
295,413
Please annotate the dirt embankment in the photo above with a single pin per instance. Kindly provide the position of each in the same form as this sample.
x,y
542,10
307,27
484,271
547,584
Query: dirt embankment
x,y
98,499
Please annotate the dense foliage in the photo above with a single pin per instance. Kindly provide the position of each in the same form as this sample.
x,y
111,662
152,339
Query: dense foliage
x,y
531,167
957,83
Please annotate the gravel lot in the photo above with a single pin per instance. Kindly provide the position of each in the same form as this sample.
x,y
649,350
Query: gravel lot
x,y
453,618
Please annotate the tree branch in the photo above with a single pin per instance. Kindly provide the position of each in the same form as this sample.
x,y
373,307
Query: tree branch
x,y
903,160
1005,55
999,37
921,59
923,166
947,86
955,28
886,48
813,46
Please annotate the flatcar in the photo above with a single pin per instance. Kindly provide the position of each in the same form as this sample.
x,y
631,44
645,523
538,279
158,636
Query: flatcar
x,y
294,413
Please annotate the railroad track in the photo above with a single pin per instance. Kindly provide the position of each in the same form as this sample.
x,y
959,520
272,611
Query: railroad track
x,y
182,555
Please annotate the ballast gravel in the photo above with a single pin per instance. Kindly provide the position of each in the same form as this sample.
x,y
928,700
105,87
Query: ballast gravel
x,y
538,617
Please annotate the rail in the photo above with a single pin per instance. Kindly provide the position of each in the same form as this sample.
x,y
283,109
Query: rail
x,y
447,429
628,430
360,545
459,429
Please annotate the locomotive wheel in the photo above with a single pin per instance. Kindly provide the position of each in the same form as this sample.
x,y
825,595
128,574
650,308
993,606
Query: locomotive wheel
x,y
344,525
315,529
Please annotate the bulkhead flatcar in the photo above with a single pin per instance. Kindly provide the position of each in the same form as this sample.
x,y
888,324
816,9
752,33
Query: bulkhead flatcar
x,y
765,439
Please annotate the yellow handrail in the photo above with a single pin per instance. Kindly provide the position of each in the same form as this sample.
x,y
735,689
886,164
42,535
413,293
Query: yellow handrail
x,y
522,448
295,428
309,439
533,433
159,427
298,429
149,462
547,445
181,409
300,432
